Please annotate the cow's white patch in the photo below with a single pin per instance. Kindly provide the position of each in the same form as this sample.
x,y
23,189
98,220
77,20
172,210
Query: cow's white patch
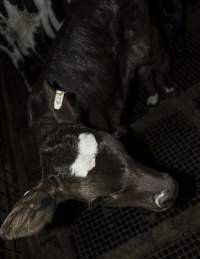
x,y
48,19
169,90
18,28
153,100
23,25
86,159
159,198
58,101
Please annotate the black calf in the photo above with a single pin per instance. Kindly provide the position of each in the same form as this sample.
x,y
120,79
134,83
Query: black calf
x,y
79,160
146,48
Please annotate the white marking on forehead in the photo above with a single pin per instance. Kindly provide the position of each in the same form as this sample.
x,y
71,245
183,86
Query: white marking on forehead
x,y
152,100
86,159
158,198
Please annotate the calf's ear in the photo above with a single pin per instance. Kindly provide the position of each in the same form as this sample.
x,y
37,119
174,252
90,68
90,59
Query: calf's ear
x,y
28,216
59,104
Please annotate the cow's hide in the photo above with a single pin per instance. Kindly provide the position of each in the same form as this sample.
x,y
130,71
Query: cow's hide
x,y
27,28
25,25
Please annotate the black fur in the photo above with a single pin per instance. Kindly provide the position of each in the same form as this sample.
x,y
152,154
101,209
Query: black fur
x,y
146,48
84,60
84,63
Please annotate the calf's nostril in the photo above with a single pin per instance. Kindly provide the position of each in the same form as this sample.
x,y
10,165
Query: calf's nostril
x,y
159,199
166,201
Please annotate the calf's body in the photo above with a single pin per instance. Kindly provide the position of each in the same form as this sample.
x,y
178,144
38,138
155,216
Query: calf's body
x,y
84,60
143,51
79,158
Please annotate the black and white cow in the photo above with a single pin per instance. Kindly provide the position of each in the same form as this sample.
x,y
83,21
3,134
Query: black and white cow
x,y
28,26
74,113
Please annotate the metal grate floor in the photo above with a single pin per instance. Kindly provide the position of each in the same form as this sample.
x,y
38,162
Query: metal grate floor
x,y
188,247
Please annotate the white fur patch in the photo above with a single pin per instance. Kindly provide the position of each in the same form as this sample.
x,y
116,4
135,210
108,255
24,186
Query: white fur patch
x,y
169,90
158,198
48,19
153,100
86,159
19,28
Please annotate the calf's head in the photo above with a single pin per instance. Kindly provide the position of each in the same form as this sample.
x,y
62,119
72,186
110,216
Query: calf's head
x,y
99,165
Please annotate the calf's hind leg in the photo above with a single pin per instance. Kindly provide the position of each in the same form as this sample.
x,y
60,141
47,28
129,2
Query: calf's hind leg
x,y
164,76
146,78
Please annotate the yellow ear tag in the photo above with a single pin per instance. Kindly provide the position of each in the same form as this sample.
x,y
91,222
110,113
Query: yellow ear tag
x,y
58,101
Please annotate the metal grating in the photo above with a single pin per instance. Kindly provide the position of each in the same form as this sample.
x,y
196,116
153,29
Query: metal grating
x,y
175,144
187,248
99,230
197,103
187,72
